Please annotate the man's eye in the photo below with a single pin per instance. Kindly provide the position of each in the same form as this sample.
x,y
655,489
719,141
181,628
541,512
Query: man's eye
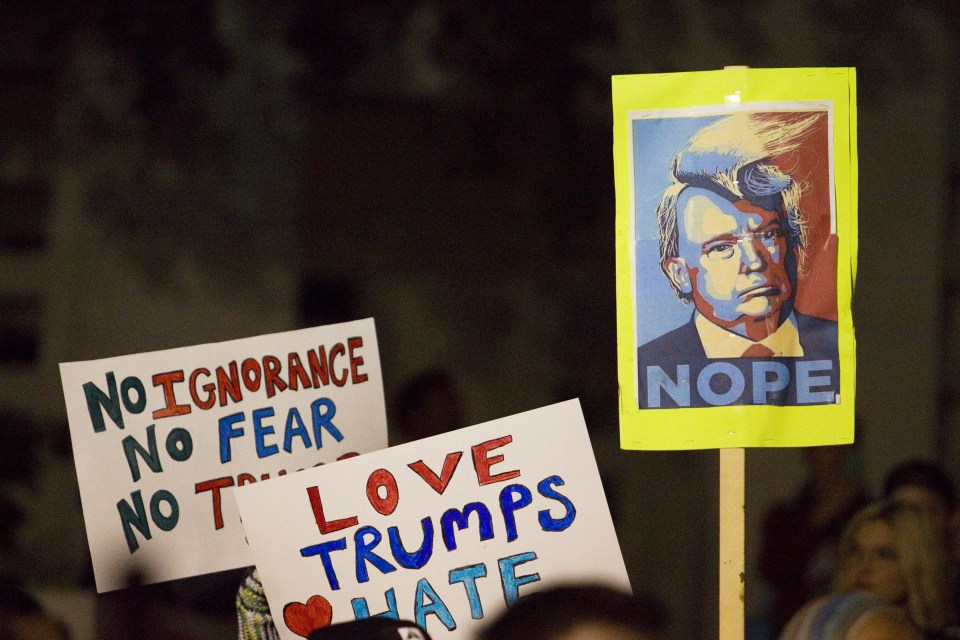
x,y
772,234
720,250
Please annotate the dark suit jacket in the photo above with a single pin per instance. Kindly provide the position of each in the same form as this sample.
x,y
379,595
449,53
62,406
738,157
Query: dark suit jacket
x,y
682,346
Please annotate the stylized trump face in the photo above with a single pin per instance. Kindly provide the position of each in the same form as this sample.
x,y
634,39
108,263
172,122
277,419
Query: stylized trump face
x,y
734,262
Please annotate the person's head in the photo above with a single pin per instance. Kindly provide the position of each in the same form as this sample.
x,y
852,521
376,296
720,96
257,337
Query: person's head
x,y
890,550
428,404
849,616
926,485
375,628
579,612
730,224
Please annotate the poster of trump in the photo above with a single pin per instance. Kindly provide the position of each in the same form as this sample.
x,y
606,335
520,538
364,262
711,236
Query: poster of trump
x,y
736,246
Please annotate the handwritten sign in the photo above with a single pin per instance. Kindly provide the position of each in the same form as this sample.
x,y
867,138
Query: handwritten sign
x,y
161,439
445,531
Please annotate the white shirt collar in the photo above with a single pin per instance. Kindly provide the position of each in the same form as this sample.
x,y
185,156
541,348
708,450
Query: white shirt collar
x,y
720,343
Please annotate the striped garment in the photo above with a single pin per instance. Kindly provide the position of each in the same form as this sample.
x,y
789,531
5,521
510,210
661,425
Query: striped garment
x,y
253,613
833,617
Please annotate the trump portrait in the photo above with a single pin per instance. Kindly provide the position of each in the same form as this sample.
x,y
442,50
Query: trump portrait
x,y
732,242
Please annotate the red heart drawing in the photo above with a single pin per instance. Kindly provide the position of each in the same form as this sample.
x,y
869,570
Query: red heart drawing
x,y
302,619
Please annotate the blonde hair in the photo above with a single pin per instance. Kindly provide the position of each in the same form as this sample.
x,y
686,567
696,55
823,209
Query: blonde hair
x,y
920,552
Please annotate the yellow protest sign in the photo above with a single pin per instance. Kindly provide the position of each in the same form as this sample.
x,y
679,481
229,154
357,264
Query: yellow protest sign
x,y
736,236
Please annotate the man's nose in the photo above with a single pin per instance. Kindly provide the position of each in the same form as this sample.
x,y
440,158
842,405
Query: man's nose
x,y
751,253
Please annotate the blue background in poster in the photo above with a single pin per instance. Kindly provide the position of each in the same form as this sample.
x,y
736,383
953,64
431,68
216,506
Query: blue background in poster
x,y
655,143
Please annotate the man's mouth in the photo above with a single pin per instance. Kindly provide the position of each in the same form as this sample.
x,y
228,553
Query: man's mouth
x,y
760,290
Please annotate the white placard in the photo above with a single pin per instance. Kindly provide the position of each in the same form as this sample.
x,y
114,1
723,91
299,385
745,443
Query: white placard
x,y
161,440
445,531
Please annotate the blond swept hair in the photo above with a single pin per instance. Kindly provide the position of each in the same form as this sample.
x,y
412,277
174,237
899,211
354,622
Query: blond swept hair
x,y
733,157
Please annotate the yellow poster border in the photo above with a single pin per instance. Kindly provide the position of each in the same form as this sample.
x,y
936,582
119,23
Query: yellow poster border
x,y
741,425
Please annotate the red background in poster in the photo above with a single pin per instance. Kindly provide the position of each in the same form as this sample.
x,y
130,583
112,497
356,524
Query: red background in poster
x,y
810,165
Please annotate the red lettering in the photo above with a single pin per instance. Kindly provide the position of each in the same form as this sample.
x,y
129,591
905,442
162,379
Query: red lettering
x,y
209,388
337,350
324,526
356,361
245,478
438,484
271,368
297,373
229,384
214,486
482,461
318,366
166,380
382,478
250,372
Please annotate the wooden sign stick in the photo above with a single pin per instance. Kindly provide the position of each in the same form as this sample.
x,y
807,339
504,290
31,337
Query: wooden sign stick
x,y
732,500
732,577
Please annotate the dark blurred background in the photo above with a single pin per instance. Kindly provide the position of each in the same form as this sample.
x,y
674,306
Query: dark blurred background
x,y
180,172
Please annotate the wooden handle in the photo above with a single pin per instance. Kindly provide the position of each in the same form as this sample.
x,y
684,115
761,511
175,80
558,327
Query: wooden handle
x,y
732,578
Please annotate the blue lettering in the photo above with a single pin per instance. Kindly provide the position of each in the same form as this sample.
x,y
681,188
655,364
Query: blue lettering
x,y
805,381
166,523
137,516
678,391
260,430
133,384
361,610
547,522
452,517
468,577
418,558
509,579
151,457
179,444
228,432
510,505
323,550
97,401
764,383
299,430
782,381
435,606
324,419
720,368
365,553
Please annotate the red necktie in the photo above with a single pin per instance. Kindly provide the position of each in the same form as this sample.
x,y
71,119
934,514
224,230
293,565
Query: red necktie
x,y
758,351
